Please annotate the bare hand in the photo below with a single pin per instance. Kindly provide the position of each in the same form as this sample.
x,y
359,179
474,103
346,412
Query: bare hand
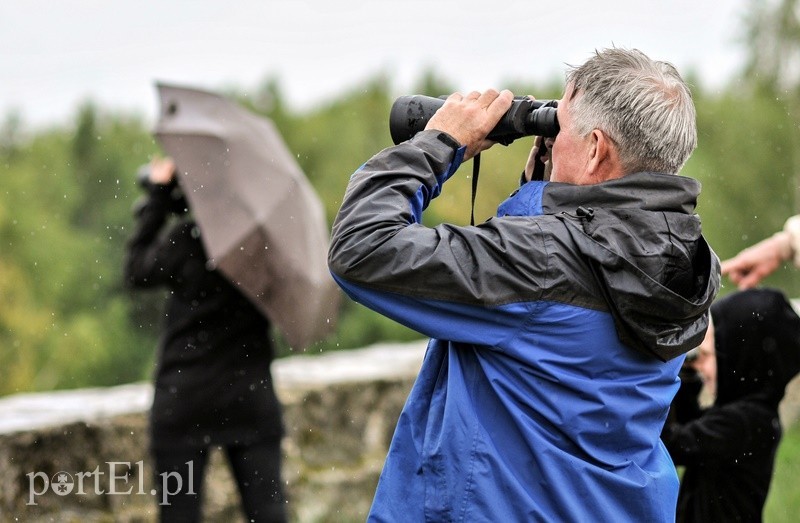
x,y
755,263
535,157
470,118
162,170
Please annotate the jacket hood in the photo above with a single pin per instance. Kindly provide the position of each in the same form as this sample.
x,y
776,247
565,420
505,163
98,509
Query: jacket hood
x,y
757,338
658,274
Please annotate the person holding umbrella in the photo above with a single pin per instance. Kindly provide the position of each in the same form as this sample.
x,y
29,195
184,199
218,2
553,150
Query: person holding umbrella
x,y
213,384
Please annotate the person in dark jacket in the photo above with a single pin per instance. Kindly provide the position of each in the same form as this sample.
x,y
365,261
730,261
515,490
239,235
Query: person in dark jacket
x,y
558,327
213,385
728,450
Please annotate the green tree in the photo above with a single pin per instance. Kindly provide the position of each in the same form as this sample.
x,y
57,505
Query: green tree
x,y
67,196
747,158
772,40
64,314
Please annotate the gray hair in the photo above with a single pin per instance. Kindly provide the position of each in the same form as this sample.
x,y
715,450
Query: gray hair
x,y
643,105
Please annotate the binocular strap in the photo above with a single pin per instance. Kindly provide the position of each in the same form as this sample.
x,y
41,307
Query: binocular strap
x,y
476,168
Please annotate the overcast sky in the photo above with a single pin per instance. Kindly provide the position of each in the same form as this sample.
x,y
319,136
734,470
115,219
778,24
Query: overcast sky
x,y
56,54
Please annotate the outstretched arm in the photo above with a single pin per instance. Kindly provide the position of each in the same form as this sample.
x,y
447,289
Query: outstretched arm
x,y
755,263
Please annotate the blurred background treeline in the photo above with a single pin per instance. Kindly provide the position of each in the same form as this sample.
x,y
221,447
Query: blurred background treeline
x,y
67,193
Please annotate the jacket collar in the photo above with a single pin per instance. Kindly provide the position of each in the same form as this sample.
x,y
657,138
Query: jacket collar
x,y
645,191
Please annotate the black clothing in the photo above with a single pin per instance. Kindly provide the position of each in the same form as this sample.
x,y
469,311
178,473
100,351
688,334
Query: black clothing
x,y
213,384
729,449
256,469
212,380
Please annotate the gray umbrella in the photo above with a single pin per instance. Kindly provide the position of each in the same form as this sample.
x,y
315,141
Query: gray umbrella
x,y
262,223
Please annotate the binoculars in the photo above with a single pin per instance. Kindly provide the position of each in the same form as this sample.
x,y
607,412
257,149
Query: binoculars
x,y
526,117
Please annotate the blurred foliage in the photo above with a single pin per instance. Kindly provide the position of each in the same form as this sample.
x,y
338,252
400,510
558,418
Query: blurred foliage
x,y
64,213
783,501
747,158
745,161
771,36
67,195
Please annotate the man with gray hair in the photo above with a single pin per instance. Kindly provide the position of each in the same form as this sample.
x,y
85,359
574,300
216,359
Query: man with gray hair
x,y
558,327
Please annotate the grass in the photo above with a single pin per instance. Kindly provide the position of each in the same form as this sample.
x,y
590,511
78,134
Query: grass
x,y
783,502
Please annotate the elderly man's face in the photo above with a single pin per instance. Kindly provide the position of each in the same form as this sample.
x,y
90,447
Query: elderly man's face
x,y
570,153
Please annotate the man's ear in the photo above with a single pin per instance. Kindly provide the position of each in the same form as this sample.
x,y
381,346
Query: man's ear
x,y
603,161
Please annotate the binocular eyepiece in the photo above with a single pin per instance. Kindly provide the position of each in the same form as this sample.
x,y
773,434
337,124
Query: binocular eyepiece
x,y
526,117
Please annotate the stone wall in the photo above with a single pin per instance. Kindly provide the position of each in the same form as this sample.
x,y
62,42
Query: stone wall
x,y
339,409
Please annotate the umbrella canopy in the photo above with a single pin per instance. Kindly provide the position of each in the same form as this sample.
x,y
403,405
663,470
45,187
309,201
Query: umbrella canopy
x,y
263,225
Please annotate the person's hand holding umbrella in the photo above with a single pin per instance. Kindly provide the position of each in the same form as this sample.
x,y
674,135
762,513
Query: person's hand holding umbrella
x,y
162,171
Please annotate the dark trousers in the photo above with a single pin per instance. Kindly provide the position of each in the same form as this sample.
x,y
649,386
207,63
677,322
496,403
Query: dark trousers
x,y
256,469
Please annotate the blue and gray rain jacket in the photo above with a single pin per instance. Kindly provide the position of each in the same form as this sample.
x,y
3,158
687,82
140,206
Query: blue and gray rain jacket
x,y
557,327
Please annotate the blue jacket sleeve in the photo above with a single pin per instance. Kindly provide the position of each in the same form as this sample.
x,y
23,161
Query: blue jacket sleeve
x,y
446,282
